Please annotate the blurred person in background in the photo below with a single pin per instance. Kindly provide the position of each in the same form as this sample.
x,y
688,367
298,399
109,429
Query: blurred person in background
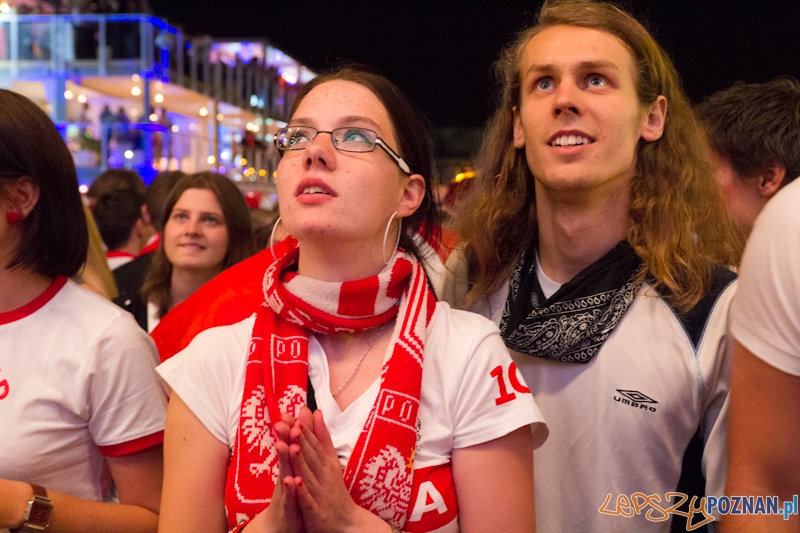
x,y
206,230
130,277
754,136
95,274
118,215
115,179
80,409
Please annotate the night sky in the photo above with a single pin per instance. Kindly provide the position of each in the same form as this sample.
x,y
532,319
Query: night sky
x,y
440,53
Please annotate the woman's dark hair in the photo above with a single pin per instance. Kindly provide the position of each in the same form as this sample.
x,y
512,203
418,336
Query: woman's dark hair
x,y
156,287
54,236
415,146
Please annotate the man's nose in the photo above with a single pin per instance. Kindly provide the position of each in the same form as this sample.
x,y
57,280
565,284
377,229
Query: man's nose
x,y
568,98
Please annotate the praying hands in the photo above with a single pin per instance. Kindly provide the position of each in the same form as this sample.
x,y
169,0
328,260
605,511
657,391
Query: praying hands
x,y
310,494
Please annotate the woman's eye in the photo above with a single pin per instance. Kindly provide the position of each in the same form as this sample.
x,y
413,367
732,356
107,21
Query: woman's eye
x,y
299,137
179,216
355,136
212,221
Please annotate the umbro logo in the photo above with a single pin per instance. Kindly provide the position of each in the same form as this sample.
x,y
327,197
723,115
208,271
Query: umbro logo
x,y
635,399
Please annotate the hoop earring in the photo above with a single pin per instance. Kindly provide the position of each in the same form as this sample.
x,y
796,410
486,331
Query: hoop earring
x,y
13,217
385,235
272,239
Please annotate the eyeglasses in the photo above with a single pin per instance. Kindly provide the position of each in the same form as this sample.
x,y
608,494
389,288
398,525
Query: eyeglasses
x,y
344,139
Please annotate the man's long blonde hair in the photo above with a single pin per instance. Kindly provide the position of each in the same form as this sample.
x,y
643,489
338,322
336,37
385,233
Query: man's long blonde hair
x,y
678,222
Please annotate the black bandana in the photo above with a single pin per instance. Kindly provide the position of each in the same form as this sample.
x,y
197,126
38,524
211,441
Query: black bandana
x,y
573,323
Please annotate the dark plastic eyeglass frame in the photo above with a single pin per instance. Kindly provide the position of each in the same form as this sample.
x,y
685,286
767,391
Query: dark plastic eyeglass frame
x,y
378,142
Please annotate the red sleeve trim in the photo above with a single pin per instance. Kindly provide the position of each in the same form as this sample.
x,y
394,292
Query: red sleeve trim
x,y
137,445
35,304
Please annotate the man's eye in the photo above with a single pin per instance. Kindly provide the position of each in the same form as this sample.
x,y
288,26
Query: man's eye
x,y
597,81
544,84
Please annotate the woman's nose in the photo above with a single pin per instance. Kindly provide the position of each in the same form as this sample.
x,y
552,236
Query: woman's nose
x,y
193,226
321,152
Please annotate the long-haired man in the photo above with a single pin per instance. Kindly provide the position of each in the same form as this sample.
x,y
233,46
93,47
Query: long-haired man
x,y
594,237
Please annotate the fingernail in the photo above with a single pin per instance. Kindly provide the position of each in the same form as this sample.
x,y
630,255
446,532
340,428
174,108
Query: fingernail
x,y
300,425
300,482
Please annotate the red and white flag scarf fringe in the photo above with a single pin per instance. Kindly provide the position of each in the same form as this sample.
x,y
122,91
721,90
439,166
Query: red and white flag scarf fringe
x,y
379,472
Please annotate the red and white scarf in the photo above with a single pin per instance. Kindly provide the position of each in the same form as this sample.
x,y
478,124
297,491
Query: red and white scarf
x,y
378,474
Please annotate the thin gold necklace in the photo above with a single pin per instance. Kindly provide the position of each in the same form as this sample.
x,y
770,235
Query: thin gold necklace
x,y
360,360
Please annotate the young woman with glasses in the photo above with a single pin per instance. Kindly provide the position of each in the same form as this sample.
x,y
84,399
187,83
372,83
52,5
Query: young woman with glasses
x,y
422,421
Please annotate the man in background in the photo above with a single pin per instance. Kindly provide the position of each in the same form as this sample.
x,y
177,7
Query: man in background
x,y
119,218
129,277
754,134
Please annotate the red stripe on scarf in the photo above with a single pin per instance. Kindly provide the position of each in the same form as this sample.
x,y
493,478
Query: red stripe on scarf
x,y
379,473
364,294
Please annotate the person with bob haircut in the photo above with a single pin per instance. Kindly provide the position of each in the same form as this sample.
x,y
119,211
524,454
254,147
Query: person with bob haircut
x,y
594,235
350,400
80,409
206,229
754,135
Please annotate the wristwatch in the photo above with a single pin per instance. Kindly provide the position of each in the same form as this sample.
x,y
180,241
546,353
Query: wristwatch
x,y
37,517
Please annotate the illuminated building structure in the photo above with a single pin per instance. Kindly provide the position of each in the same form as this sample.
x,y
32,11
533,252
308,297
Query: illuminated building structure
x,y
129,90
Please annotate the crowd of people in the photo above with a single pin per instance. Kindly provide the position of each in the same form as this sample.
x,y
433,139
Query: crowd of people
x,y
612,344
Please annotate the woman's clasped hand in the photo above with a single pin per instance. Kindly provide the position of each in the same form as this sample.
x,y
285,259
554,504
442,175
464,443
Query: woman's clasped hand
x,y
310,494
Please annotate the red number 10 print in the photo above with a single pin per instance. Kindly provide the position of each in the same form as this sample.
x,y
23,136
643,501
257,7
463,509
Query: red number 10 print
x,y
516,384
3,389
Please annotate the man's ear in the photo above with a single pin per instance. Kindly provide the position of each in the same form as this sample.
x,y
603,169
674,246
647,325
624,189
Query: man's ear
x,y
519,132
148,219
770,180
138,229
654,120
413,194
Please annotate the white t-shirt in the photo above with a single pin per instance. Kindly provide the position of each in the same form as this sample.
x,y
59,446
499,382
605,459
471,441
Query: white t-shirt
x,y
465,370
77,383
549,286
765,317
621,423
152,316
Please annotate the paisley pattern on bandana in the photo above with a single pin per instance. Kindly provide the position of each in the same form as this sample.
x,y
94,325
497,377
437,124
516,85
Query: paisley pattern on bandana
x,y
570,326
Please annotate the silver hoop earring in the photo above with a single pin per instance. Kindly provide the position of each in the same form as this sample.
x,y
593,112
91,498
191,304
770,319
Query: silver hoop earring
x,y
272,239
386,234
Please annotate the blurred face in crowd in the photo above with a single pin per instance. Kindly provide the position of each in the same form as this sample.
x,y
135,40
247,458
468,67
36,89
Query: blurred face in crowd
x,y
579,118
195,236
744,196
